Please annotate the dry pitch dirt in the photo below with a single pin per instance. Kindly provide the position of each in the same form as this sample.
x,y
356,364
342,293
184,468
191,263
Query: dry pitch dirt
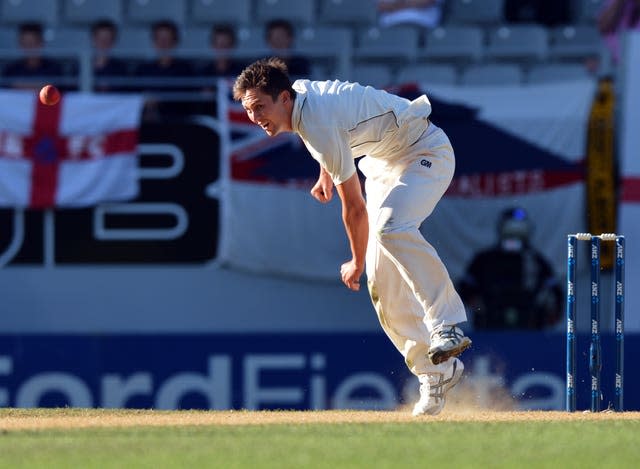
x,y
24,419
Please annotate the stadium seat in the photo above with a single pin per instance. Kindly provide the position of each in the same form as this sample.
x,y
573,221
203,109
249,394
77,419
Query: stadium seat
x,y
196,39
521,43
354,13
439,74
462,44
19,11
251,39
88,11
376,75
136,39
555,72
149,11
475,11
295,11
324,39
492,74
8,38
575,42
320,72
587,11
323,45
397,44
68,38
236,12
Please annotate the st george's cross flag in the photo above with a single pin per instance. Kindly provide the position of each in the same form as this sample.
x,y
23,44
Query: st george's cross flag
x,y
77,153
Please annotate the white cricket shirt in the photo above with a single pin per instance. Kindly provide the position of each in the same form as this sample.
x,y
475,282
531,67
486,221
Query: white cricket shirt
x,y
339,121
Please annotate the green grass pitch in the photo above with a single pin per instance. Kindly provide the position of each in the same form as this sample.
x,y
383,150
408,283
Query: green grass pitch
x,y
73,438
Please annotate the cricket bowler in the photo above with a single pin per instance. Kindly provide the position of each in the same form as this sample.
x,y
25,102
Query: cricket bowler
x,y
408,164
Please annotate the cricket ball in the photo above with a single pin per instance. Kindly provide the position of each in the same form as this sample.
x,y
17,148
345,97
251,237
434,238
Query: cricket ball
x,y
49,95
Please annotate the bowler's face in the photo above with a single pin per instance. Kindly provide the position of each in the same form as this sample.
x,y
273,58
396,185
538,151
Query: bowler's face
x,y
273,116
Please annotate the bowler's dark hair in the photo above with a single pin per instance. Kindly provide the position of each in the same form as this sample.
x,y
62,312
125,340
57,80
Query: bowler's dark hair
x,y
269,76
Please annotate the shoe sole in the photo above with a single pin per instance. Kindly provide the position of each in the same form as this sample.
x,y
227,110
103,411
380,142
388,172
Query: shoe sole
x,y
439,356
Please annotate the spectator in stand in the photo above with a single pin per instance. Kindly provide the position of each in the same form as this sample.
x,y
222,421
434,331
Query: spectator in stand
x,y
280,36
30,70
166,67
104,34
546,12
223,43
422,13
511,285
165,36
617,17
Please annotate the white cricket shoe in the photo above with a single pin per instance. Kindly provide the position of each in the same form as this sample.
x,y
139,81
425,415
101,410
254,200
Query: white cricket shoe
x,y
447,342
434,388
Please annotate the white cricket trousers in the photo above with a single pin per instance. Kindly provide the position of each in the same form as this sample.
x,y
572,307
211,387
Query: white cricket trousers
x,y
409,285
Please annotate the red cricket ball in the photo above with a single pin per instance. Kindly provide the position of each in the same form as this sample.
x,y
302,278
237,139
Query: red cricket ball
x,y
49,95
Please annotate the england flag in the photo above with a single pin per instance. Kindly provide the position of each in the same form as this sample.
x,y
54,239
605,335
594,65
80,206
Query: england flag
x,y
77,153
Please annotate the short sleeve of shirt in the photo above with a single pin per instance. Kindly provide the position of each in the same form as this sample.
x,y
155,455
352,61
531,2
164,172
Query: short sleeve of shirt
x,y
323,114
329,146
